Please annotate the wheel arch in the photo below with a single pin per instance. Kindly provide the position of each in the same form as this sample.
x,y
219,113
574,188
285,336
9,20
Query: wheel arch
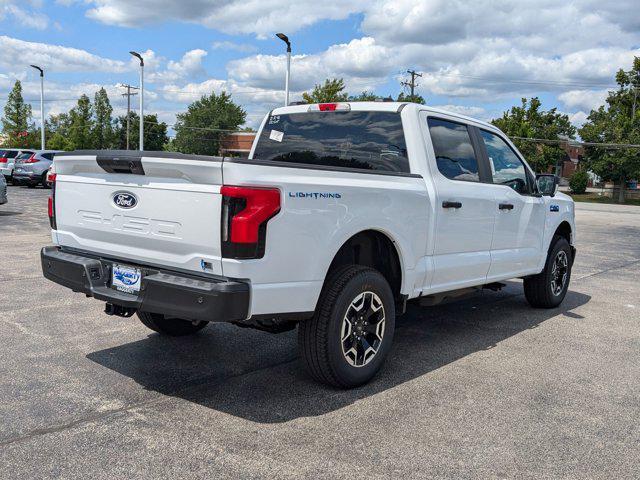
x,y
372,248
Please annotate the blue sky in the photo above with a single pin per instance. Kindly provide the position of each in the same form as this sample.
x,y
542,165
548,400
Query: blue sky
x,y
477,58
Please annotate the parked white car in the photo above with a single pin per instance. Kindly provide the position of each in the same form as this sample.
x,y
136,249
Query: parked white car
x,y
341,214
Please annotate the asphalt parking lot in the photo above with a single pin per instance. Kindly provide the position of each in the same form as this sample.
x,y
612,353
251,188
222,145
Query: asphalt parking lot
x,y
483,388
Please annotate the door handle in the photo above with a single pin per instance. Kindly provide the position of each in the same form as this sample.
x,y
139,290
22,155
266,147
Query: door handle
x,y
505,206
451,205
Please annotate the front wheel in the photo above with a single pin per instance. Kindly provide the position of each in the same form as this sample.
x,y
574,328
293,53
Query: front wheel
x,y
350,335
173,327
548,288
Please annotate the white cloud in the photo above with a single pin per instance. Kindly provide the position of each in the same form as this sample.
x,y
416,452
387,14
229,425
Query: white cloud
x,y
236,47
188,67
583,99
260,17
16,55
578,118
24,17
361,62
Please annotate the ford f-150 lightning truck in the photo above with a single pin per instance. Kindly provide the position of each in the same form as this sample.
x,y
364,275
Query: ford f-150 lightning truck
x,y
341,214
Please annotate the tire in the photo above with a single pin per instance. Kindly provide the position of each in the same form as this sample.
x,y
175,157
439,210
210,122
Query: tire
x,y
548,288
44,182
173,327
329,344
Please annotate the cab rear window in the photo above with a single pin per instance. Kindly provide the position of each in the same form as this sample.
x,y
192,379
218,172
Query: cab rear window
x,y
360,140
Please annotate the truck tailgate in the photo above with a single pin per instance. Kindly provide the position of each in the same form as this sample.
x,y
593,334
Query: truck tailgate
x,y
156,208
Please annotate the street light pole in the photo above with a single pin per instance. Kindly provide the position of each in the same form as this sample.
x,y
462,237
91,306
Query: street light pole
x,y
42,142
139,57
285,39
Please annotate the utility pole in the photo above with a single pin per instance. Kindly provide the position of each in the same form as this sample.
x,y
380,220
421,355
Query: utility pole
x,y
412,83
129,94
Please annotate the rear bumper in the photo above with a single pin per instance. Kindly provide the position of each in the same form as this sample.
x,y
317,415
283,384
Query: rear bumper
x,y
173,294
26,177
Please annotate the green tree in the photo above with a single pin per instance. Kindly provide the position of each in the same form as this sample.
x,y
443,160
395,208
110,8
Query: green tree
x,y
366,96
57,130
16,122
409,98
200,129
102,133
616,122
331,91
155,132
529,120
81,125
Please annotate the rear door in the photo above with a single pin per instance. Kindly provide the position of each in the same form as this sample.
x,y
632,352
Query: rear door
x,y
158,209
517,241
464,209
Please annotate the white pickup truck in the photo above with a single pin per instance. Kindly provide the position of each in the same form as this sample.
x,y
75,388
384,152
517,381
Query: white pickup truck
x,y
341,214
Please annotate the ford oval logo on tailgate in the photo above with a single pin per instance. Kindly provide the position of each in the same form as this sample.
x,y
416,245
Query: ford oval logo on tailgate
x,y
125,200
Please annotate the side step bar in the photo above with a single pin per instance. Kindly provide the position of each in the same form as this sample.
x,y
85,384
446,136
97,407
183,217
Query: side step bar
x,y
436,298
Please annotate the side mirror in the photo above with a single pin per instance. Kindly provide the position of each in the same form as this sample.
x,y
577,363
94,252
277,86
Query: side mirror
x,y
547,184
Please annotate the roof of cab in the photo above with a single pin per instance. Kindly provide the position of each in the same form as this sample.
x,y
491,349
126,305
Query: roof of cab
x,y
384,107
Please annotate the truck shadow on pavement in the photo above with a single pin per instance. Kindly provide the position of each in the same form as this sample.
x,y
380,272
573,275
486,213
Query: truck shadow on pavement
x,y
259,377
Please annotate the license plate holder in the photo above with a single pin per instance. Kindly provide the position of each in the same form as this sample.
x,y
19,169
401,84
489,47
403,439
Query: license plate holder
x,y
126,278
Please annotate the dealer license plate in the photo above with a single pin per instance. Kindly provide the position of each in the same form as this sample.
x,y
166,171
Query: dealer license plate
x,y
126,279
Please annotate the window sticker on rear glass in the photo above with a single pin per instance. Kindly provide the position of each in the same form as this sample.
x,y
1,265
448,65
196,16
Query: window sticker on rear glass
x,y
274,119
276,135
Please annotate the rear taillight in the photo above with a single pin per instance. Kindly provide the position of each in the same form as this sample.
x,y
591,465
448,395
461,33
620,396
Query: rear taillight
x,y
245,213
31,159
3,160
52,202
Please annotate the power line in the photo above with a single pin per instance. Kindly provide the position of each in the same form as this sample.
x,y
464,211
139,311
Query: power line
x,y
574,142
527,82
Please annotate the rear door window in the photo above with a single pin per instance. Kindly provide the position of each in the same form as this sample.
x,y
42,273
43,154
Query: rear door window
x,y
48,156
11,154
452,145
356,139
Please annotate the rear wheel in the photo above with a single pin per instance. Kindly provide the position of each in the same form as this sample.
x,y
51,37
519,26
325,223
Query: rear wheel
x,y
44,182
350,335
548,288
173,327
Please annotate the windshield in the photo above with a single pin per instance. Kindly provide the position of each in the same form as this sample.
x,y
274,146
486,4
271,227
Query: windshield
x,y
362,140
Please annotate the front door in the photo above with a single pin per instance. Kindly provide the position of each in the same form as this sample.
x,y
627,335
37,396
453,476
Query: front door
x,y
520,215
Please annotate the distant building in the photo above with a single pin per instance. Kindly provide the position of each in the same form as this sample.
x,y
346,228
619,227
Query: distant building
x,y
570,163
237,144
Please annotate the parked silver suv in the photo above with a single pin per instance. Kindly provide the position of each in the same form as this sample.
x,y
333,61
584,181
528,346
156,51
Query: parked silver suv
x,y
31,169
7,160
3,190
